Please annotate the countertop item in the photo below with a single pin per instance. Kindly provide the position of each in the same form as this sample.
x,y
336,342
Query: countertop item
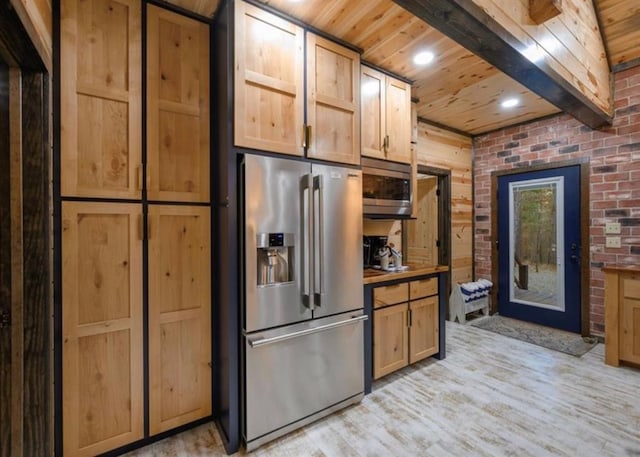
x,y
372,276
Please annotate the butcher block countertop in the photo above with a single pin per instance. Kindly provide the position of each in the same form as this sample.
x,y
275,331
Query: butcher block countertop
x,y
373,276
620,268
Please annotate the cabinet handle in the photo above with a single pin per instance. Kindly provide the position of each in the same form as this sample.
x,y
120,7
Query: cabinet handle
x,y
304,136
149,227
410,318
140,227
387,143
139,183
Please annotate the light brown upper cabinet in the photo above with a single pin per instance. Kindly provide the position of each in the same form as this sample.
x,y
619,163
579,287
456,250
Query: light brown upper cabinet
x,y
333,101
100,76
269,99
269,81
179,315
386,116
102,385
177,107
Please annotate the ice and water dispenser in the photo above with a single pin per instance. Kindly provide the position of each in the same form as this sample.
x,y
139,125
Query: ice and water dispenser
x,y
275,258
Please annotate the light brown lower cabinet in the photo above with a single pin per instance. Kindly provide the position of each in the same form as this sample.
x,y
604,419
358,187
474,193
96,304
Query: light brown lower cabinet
x,y
102,322
102,385
622,314
390,339
179,315
423,325
407,331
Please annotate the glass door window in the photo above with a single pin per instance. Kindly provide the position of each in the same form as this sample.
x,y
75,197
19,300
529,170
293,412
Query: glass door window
x,y
536,243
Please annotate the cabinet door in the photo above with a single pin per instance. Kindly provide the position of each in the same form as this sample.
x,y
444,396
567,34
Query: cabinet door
x,y
398,120
423,335
177,107
100,98
630,319
102,363
269,82
390,339
333,101
372,109
179,316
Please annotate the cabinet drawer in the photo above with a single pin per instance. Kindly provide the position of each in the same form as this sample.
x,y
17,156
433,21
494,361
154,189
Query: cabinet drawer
x,y
390,295
424,288
631,287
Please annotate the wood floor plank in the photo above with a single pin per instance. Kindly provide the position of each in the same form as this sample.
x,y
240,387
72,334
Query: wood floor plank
x,y
491,396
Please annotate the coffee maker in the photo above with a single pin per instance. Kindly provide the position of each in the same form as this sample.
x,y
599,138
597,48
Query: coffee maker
x,y
370,247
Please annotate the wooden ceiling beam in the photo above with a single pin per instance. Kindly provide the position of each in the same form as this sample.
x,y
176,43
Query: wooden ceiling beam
x,y
471,27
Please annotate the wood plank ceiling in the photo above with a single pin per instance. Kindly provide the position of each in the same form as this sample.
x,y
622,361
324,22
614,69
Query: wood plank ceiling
x,y
458,89
620,21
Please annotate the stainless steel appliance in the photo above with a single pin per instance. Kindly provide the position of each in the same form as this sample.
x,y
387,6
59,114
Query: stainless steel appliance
x,y
303,317
386,188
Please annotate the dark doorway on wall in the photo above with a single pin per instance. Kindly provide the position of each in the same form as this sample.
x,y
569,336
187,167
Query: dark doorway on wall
x,y
5,266
427,238
25,254
540,244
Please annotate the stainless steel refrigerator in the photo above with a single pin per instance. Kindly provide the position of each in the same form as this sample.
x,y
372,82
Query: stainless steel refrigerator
x,y
303,298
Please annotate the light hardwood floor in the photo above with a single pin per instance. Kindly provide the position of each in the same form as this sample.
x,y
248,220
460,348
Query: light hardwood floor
x,y
491,396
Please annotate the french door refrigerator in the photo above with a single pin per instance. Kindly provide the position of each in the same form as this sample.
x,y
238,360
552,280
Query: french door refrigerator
x,y
303,314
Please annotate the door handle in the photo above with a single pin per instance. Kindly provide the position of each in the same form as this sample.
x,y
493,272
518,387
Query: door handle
x,y
306,185
574,258
318,289
254,343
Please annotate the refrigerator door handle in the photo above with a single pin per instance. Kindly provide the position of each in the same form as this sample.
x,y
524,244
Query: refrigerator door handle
x,y
306,200
318,289
258,342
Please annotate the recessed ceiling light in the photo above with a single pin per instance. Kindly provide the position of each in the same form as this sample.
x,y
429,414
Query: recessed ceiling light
x,y
510,103
423,58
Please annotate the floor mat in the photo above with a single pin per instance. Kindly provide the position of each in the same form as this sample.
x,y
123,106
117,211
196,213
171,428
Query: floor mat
x,y
551,338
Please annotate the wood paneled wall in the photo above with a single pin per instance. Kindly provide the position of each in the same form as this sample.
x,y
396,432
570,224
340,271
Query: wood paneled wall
x,y
571,43
450,151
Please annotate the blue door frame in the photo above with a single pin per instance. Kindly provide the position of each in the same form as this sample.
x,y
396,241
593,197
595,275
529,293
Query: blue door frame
x,y
569,315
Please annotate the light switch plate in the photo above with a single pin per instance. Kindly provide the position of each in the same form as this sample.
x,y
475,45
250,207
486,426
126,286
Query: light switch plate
x,y
612,227
613,242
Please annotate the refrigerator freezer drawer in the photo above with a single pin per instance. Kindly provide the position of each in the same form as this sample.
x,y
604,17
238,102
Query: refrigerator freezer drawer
x,y
296,372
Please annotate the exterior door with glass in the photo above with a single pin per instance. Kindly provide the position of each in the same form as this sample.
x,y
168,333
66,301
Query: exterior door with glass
x,y
539,247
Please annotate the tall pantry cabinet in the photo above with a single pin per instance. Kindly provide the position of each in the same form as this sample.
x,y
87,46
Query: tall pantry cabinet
x,y
133,220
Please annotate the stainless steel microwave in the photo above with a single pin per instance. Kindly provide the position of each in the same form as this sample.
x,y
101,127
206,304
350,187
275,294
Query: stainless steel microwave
x,y
386,188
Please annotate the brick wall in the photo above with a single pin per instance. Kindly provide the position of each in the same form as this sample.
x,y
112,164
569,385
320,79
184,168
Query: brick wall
x,y
614,155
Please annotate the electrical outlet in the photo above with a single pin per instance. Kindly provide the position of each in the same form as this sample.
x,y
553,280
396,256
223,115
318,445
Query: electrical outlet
x,y
612,227
613,242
